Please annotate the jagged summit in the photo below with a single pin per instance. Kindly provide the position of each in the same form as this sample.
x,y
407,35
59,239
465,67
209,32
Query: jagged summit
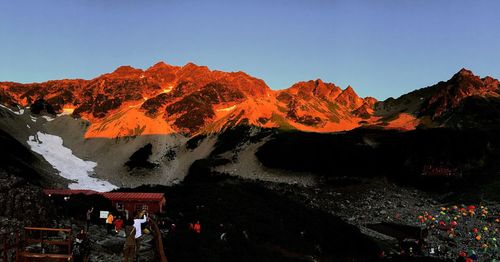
x,y
349,89
125,70
315,88
465,75
349,98
160,64
465,72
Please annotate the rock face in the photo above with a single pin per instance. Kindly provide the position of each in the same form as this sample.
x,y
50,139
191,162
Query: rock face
x,y
22,201
315,88
450,94
319,106
187,99
110,247
446,103
21,175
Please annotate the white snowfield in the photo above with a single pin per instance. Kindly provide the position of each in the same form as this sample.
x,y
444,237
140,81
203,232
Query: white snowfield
x,y
69,166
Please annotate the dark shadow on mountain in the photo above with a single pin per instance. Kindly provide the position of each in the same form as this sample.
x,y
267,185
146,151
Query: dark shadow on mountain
x,y
476,112
140,158
404,157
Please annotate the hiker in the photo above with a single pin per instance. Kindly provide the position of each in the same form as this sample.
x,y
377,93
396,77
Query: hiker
x,y
473,255
222,232
89,217
196,227
223,237
138,230
109,223
118,224
129,249
245,234
81,247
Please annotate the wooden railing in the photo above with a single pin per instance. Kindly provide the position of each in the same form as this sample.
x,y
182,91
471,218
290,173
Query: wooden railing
x,y
45,244
160,252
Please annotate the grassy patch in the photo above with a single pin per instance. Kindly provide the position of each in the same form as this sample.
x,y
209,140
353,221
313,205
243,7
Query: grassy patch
x,y
281,122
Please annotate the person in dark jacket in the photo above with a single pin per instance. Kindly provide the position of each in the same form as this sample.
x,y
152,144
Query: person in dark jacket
x,y
81,247
89,217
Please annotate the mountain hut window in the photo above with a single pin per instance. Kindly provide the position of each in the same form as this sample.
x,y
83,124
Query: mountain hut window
x,y
140,207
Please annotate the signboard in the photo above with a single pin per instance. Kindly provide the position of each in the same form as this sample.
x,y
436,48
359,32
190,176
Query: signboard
x,y
103,214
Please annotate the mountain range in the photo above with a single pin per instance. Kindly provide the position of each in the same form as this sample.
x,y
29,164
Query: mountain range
x,y
191,99
150,126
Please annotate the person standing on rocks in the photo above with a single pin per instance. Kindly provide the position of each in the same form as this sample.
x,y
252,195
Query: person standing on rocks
x,y
118,224
129,249
196,227
81,247
89,217
140,218
109,223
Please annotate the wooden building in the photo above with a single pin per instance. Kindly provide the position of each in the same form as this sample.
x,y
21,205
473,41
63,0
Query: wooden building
x,y
135,201
126,202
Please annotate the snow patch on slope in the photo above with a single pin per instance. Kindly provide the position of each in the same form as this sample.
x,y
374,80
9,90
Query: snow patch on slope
x,y
48,118
226,109
20,112
69,166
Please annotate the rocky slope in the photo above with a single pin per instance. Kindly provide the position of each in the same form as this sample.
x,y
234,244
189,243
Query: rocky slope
x,y
22,174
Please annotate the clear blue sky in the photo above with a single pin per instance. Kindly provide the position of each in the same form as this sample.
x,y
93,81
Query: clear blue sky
x,y
382,48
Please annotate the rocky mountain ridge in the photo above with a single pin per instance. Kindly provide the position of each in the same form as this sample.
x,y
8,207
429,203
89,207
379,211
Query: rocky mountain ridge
x,y
188,99
192,99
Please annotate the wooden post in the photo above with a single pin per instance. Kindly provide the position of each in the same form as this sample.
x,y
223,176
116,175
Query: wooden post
x,y
17,246
5,248
158,241
70,242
